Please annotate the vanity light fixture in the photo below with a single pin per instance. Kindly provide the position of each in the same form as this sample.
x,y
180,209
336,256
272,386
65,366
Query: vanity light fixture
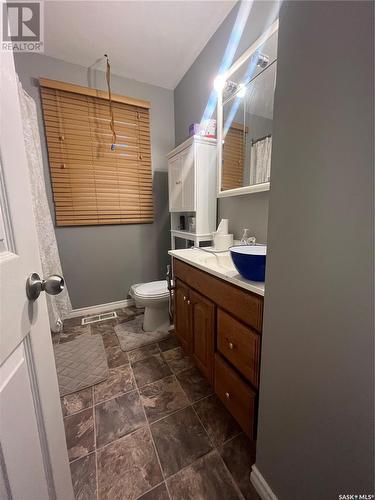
x,y
219,82
241,90
263,60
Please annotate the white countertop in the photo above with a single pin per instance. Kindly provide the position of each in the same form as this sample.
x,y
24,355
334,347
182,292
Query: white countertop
x,y
219,265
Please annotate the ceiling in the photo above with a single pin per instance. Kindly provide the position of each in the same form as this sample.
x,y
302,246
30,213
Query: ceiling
x,y
150,41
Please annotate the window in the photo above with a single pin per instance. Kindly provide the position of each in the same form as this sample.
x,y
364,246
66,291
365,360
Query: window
x,y
93,184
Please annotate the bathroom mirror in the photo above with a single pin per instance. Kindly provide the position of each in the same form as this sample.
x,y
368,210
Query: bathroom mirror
x,y
244,119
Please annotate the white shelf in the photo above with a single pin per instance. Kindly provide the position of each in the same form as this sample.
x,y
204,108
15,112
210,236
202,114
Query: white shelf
x,y
196,238
254,188
178,233
192,188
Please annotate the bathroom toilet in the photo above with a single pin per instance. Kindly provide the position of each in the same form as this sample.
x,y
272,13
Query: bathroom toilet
x,y
154,297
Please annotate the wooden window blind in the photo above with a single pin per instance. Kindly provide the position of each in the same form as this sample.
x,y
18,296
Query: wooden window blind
x,y
233,158
92,184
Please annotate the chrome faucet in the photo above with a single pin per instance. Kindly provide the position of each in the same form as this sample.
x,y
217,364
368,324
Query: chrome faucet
x,y
246,239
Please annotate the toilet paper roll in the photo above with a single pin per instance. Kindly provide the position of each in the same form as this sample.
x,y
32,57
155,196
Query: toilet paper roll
x,y
222,228
222,241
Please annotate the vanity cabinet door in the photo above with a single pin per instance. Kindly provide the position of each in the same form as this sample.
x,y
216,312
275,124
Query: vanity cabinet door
x,y
175,184
182,317
202,317
188,179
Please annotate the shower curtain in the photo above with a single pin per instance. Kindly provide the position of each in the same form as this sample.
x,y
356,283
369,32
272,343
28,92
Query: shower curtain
x,y
59,306
260,161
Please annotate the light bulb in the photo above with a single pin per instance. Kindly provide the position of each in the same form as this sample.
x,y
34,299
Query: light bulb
x,y
219,83
241,90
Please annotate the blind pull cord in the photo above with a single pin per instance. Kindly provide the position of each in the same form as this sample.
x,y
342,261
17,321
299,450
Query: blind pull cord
x,y
112,122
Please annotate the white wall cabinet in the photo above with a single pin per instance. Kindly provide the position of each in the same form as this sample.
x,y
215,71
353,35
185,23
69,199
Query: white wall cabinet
x,y
192,187
175,184
181,176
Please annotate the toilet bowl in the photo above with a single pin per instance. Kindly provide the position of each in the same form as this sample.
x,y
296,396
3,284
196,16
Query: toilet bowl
x,y
154,297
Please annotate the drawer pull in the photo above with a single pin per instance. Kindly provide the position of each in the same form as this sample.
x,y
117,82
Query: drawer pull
x,y
231,345
227,395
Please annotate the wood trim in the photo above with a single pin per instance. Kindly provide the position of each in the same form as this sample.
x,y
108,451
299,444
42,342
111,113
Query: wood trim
x,y
102,94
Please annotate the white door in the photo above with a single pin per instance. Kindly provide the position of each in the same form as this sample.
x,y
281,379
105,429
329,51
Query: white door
x,y
175,184
188,179
33,456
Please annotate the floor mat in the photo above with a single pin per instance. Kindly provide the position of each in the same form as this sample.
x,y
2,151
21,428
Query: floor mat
x,y
131,335
80,363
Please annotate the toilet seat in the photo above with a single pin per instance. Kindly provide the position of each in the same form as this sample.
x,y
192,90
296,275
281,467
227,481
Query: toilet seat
x,y
152,290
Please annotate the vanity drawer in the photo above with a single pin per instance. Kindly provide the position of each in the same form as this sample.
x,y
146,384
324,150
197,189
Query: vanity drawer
x,y
236,395
240,345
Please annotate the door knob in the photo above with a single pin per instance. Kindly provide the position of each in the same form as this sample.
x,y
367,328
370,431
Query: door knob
x,y
53,285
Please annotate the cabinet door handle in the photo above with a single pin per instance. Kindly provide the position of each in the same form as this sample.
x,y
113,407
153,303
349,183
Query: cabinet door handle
x,y
178,182
185,298
188,302
231,345
227,395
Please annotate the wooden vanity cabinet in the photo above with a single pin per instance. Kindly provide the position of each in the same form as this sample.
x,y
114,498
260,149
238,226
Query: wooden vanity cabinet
x,y
240,345
220,325
239,398
194,325
202,317
182,320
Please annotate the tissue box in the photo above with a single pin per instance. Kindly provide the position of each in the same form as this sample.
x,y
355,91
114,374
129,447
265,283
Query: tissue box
x,y
207,128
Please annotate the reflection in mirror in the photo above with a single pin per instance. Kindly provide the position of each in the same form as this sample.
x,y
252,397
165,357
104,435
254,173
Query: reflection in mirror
x,y
247,114
247,132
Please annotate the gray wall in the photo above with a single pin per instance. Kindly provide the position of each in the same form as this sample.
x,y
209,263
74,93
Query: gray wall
x,y
100,263
315,437
190,100
246,211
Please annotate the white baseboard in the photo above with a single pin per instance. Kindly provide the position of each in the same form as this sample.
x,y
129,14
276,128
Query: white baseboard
x,y
260,484
110,306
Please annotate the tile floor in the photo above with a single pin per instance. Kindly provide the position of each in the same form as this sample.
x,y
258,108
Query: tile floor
x,y
153,430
